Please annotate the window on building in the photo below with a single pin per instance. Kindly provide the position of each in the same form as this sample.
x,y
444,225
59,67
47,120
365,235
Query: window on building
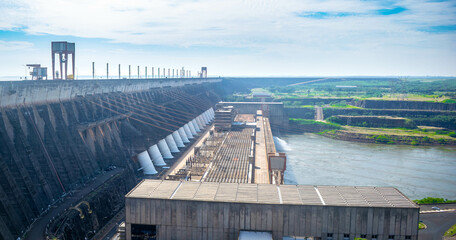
x,y
346,236
408,237
390,237
363,236
244,235
329,236
374,237
297,238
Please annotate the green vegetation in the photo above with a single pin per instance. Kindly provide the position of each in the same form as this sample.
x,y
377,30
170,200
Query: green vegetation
x,y
431,200
449,101
326,132
342,106
423,111
421,89
451,231
373,121
384,139
435,90
421,225
305,125
301,121
390,136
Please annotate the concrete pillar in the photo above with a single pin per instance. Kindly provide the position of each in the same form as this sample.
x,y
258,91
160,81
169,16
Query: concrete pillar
x,y
146,163
200,122
171,143
164,149
178,139
192,128
156,156
188,131
208,116
202,119
183,135
205,117
128,230
195,125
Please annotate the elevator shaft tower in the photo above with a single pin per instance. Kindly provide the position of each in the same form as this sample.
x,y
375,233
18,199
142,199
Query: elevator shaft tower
x,y
63,49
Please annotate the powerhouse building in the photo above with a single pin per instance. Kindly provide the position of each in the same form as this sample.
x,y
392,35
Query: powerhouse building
x,y
164,209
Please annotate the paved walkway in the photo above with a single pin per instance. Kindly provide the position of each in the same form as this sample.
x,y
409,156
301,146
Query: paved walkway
x,y
438,211
318,113
261,168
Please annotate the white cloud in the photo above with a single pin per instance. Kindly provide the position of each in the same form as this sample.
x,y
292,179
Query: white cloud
x,y
269,29
220,23
14,45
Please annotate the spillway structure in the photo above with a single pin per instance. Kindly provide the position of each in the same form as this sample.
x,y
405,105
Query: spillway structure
x,y
59,136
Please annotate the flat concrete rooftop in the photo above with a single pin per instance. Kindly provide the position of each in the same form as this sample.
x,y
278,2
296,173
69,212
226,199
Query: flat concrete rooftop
x,y
272,194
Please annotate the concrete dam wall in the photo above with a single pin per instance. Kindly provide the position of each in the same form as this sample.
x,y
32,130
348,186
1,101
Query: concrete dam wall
x,y
56,136
36,92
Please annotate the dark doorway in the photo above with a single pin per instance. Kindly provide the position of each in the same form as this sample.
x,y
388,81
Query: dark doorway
x,y
143,232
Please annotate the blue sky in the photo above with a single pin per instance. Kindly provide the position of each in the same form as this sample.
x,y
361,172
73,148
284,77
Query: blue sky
x,y
236,37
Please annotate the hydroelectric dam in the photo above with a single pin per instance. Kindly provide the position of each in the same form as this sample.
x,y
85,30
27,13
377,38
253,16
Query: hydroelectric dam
x,y
167,159
62,142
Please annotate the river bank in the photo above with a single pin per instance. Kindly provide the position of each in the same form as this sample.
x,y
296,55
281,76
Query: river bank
x,y
423,136
391,136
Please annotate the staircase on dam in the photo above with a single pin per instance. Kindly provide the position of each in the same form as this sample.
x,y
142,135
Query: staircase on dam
x,y
57,136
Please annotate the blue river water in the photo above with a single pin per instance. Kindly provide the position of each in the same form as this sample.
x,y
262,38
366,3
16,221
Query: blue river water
x,y
417,171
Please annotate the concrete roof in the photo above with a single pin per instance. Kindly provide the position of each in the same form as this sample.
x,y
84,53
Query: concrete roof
x,y
272,194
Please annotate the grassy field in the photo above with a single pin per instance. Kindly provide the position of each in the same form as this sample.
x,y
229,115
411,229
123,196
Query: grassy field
x,y
434,134
451,231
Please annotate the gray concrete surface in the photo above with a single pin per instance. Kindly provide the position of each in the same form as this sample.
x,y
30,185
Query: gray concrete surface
x,y
437,223
40,92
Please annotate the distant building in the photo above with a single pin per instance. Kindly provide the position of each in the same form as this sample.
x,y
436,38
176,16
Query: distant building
x,y
262,96
203,73
224,117
38,72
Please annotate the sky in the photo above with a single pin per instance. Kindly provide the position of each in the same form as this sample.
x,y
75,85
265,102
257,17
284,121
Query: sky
x,y
235,37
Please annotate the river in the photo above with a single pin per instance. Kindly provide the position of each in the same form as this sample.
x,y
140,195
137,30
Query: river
x,y
417,171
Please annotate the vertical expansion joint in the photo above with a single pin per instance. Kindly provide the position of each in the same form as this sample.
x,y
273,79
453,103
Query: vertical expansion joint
x,y
175,190
280,194
319,195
